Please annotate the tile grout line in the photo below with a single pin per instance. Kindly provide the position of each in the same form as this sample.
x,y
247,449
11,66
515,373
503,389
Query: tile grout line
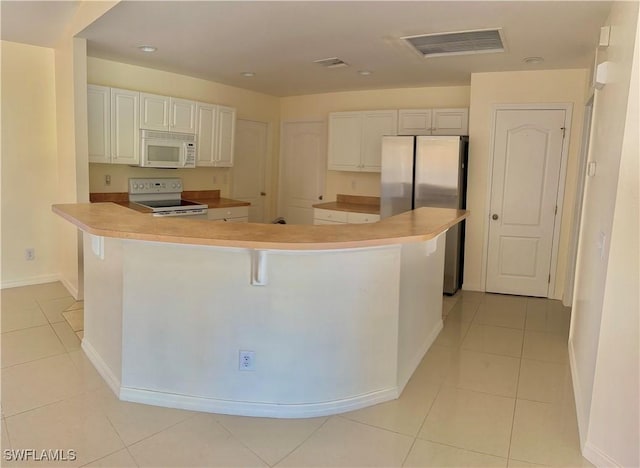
x,y
300,444
415,438
515,401
239,440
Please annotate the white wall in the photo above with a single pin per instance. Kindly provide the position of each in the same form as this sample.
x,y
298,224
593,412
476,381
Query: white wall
x,y
523,87
604,339
29,164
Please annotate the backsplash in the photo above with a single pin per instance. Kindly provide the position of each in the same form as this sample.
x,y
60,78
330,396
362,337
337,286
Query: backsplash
x,y
200,178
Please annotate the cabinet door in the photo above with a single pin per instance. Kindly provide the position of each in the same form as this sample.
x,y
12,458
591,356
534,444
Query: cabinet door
x,y
345,141
125,126
99,123
376,124
414,122
182,113
334,216
154,112
361,218
225,136
450,122
206,142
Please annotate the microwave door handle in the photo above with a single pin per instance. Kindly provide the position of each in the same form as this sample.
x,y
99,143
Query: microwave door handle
x,y
183,155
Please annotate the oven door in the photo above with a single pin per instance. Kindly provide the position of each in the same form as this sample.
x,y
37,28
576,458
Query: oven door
x,y
163,153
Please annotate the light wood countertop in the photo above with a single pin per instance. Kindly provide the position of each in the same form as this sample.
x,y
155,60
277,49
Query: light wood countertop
x,y
114,220
352,204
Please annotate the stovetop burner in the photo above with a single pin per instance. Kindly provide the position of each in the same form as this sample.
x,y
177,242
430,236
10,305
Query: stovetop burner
x,y
163,197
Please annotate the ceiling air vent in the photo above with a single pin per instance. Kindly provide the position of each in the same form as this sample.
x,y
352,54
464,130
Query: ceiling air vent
x,y
333,62
458,43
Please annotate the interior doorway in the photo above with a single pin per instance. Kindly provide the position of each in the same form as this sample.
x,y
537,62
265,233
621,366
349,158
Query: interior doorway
x,y
527,179
249,163
302,169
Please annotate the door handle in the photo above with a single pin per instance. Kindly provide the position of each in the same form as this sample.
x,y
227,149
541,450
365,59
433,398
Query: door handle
x,y
494,216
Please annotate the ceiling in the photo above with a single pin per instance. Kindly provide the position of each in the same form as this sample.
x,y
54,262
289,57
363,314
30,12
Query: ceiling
x,y
38,23
278,41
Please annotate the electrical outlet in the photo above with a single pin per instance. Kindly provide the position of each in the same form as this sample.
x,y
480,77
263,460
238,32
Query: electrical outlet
x,y
353,184
30,254
107,179
215,180
246,361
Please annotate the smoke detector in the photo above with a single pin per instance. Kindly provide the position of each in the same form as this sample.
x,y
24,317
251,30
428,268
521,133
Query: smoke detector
x,y
333,62
481,41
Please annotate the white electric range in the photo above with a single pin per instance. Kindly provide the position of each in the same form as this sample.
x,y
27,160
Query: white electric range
x,y
164,197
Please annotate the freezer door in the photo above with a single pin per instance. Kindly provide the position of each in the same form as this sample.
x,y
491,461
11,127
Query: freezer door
x,y
438,171
396,179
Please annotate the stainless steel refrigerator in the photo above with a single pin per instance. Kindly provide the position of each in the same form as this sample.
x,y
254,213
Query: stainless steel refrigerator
x,y
428,171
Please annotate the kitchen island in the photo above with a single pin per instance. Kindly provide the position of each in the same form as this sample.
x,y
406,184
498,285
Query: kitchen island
x,y
332,318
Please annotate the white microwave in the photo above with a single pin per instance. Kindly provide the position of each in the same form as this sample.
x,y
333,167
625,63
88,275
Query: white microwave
x,y
167,149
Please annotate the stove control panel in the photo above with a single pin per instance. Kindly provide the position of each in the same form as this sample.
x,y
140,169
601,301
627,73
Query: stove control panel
x,y
160,185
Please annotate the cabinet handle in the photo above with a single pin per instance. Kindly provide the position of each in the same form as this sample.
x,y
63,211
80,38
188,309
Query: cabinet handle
x,y
263,194
320,197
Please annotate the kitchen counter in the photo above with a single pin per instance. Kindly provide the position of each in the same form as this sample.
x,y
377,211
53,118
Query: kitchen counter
x,y
113,220
211,198
352,204
334,318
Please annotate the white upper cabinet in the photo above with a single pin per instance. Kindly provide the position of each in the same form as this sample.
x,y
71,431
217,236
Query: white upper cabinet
x,y
450,122
355,139
215,135
226,136
154,112
99,123
414,122
182,114
167,114
376,124
433,121
113,125
345,141
125,126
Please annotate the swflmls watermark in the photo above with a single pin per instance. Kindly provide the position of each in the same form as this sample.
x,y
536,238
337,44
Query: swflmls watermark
x,y
61,455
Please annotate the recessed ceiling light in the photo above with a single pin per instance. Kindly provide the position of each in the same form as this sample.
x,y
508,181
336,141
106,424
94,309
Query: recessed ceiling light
x,y
147,48
533,60
248,74
364,72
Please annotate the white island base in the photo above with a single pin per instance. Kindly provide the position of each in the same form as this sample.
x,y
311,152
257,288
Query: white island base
x,y
331,330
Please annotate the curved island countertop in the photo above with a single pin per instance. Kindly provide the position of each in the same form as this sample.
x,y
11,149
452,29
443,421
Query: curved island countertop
x,y
335,318
112,220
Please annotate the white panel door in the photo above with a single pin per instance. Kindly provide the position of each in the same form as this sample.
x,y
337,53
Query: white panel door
x,y
302,169
248,174
524,192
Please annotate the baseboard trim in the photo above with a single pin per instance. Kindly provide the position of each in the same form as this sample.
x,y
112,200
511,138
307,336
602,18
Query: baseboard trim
x,y
30,281
417,359
598,457
73,289
577,396
103,369
244,408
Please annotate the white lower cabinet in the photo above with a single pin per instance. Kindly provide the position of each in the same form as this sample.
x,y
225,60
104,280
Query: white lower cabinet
x,y
322,216
235,214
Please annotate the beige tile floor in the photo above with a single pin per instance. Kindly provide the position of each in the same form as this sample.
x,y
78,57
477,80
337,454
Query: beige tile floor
x,y
494,390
